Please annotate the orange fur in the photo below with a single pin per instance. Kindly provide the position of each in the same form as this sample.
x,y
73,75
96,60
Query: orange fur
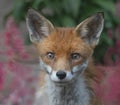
x,y
62,44
63,41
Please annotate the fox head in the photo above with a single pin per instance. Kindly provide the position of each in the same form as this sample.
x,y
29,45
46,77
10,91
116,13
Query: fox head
x,y
64,52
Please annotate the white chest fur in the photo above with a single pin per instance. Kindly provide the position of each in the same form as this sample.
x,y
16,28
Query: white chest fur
x,y
72,94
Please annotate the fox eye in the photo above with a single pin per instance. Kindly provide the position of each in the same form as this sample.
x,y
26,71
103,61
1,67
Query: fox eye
x,y
50,55
75,56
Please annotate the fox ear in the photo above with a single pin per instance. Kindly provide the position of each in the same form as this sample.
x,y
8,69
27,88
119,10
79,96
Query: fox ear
x,y
90,29
38,26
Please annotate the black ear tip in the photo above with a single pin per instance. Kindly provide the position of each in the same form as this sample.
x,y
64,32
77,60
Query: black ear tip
x,y
101,14
31,10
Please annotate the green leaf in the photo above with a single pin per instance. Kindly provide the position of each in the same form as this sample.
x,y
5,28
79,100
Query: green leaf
x,y
108,20
36,3
72,7
106,4
75,5
19,11
106,39
68,21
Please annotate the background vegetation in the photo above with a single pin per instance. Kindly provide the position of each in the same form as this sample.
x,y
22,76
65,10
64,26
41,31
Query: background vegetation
x,y
71,12
18,69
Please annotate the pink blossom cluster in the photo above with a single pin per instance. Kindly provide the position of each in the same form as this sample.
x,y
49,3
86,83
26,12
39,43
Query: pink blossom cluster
x,y
17,80
117,9
109,89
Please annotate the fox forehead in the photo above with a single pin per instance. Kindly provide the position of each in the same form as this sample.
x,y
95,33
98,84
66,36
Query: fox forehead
x,y
64,41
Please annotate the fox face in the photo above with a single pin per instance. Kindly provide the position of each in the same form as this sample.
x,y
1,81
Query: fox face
x,y
64,52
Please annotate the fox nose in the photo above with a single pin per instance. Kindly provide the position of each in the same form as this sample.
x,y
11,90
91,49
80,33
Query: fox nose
x,y
61,74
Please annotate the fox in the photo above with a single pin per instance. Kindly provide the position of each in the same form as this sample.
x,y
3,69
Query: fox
x,y
67,69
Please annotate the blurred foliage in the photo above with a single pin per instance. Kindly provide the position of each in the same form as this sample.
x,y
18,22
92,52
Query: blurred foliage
x,y
70,13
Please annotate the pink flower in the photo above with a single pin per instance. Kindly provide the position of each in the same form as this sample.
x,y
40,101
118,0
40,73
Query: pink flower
x,y
13,41
1,76
109,89
17,77
118,9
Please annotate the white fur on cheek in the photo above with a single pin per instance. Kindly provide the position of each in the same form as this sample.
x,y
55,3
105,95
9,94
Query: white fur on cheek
x,y
80,67
45,66
54,77
49,69
69,76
